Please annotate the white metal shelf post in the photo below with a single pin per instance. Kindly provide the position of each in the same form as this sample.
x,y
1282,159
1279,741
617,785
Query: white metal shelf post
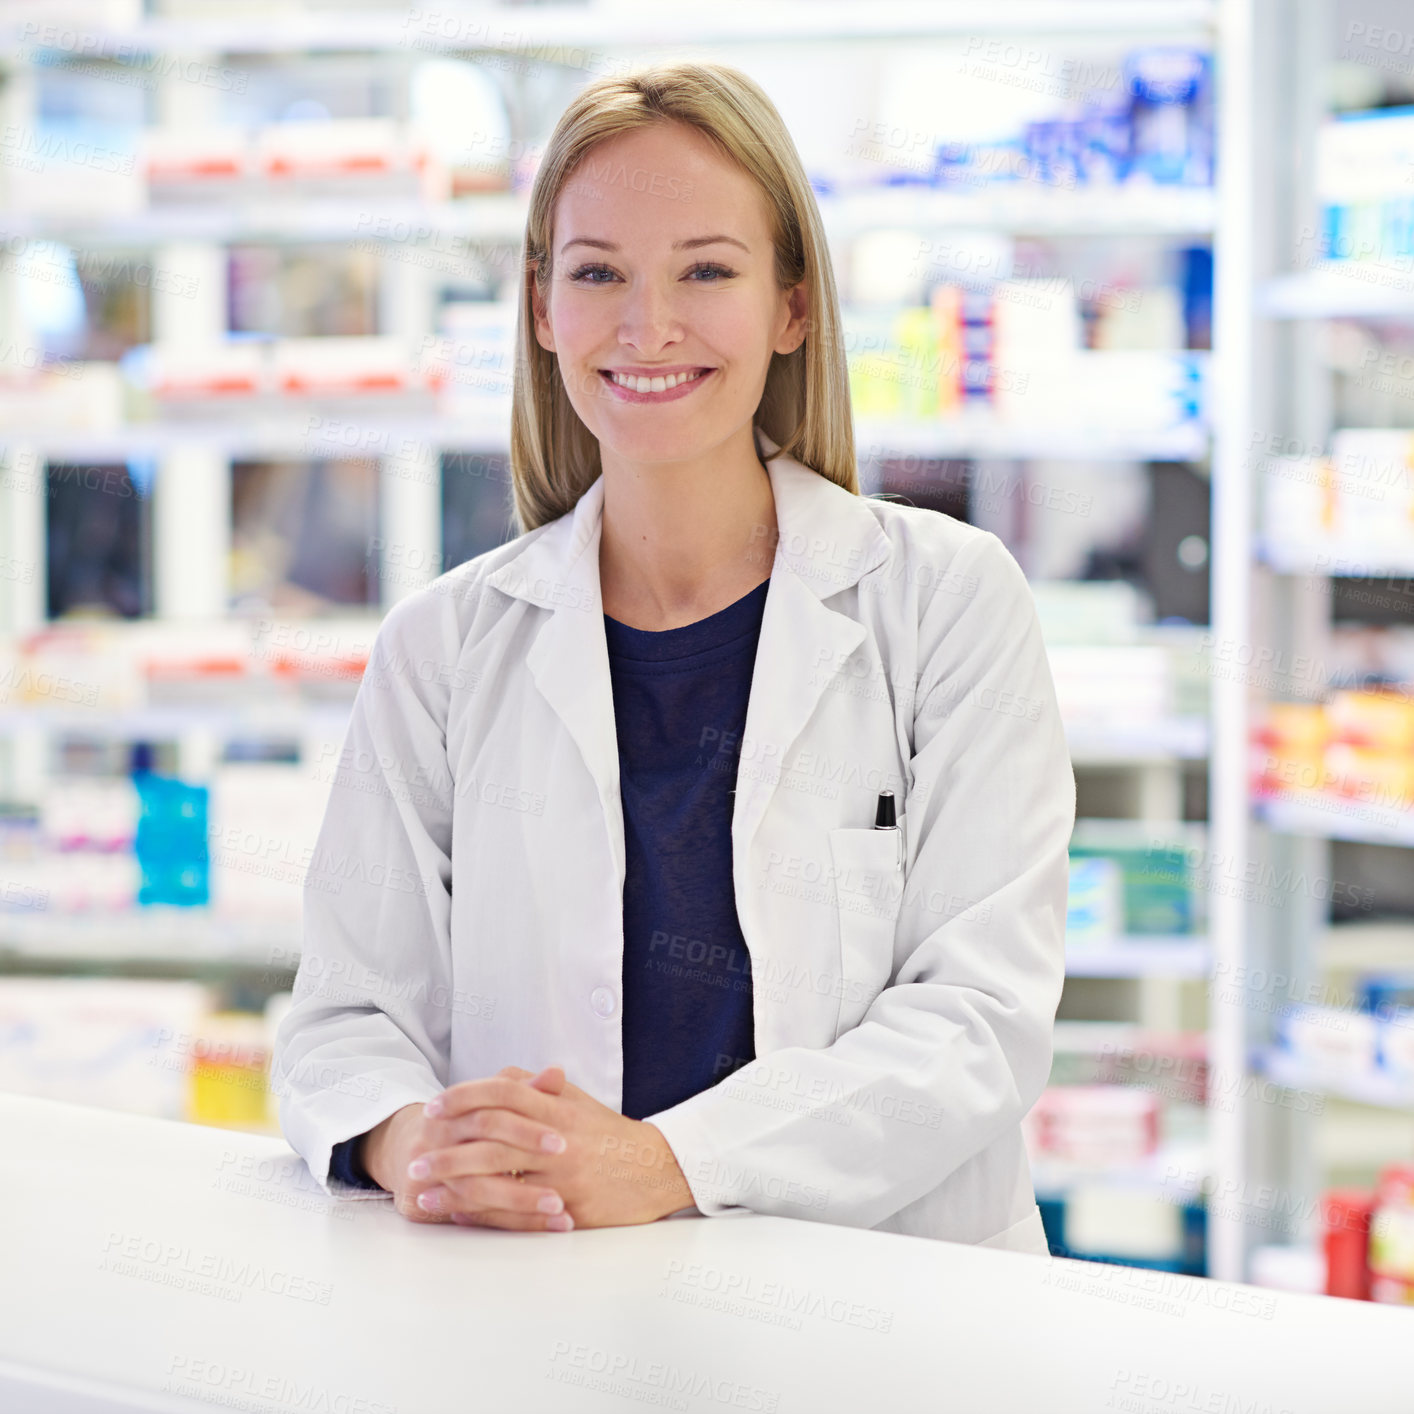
x,y
1239,75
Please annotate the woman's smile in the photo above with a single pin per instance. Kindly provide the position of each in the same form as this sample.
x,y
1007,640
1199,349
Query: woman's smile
x,y
661,388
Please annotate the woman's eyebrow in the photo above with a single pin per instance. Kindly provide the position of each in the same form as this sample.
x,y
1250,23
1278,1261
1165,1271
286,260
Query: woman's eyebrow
x,y
691,244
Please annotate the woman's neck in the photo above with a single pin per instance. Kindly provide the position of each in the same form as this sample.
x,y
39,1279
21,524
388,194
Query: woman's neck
x,y
681,541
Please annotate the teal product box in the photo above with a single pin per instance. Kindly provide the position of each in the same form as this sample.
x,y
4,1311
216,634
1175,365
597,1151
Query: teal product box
x,y
1095,904
1157,895
171,843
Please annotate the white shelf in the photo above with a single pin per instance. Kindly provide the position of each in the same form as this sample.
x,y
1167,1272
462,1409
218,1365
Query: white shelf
x,y
1335,559
1347,289
1140,956
461,28
1121,742
162,934
157,723
496,217
1373,1087
1338,820
287,434
1129,209
985,437
499,217
1175,1171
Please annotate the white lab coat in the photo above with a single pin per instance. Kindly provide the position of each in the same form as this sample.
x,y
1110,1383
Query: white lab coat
x,y
463,907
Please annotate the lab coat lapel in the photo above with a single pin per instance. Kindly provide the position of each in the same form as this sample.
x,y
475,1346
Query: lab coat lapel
x,y
569,657
828,539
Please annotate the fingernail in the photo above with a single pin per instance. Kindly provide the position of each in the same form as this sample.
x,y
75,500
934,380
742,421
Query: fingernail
x,y
427,1202
433,1108
419,1168
553,1143
561,1223
551,1203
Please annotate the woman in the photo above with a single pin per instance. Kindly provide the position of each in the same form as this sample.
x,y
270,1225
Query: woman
x,y
599,928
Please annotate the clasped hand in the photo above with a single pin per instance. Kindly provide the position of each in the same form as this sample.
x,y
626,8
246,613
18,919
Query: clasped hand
x,y
581,1164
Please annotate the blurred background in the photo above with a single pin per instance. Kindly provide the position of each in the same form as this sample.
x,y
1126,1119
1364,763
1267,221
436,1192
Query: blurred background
x,y
1128,282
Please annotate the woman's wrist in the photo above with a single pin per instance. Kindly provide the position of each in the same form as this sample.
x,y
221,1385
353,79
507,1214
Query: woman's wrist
x,y
373,1149
669,1191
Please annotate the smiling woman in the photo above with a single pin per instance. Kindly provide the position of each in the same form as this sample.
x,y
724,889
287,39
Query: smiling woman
x,y
663,962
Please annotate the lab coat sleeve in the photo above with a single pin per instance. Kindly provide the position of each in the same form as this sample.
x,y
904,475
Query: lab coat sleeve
x,y
956,1049
368,1030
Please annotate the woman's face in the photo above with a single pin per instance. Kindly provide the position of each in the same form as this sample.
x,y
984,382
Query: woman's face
x,y
663,268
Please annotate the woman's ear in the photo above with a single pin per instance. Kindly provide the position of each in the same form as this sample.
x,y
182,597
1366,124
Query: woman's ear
x,y
540,314
797,311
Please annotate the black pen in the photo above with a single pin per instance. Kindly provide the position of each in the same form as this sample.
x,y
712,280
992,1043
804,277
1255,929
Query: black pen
x,y
885,819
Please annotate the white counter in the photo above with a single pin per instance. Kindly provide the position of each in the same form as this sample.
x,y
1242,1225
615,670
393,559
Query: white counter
x,y
146,1263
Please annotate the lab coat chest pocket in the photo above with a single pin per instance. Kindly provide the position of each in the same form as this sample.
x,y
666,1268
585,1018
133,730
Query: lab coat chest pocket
x,y
869,875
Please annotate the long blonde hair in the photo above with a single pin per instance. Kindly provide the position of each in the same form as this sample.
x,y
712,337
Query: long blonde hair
x,y
805,404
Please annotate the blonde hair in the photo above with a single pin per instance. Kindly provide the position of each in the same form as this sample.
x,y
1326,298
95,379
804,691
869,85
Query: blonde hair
x,y
805,404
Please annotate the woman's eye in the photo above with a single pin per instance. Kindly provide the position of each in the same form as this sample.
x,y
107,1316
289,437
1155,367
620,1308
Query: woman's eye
x,y
717,272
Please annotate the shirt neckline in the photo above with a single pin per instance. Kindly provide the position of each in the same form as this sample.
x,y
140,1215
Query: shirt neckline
x,y
738,620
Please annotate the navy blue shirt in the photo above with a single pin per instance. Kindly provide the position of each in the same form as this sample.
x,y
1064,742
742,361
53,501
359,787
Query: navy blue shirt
x,y
680,697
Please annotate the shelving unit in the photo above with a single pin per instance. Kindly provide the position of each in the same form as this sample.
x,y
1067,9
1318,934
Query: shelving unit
x,y
1286,386
192,455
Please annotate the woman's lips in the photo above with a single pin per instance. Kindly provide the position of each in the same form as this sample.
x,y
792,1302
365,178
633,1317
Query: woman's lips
x,y
668,395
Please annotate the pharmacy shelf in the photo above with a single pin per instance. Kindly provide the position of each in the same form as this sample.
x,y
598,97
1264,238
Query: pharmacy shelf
x,y
563,31
1371,1087
164,722
1128,209
1340,290
498,218
1175,1171
1129,740
1140,956
1337,819
1336,559
162,935
288,434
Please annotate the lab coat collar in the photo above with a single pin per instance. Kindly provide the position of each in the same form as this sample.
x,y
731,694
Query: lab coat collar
x,y
828,539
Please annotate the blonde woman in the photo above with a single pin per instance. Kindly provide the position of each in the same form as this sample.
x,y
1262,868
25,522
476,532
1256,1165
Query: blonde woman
x,y
605,921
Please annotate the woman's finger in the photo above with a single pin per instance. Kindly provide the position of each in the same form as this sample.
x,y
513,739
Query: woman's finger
x,y
473,1156
492,1092
506,1126
526,1222
476,1191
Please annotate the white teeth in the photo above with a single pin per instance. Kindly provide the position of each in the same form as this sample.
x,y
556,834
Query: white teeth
x,y
654,385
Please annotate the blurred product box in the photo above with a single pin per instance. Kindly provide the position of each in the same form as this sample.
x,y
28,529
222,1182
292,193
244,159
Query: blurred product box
x,y
1161,869
1016,351
1128,1223
70,167
265,819
1124,683
1345,1240
1358,746
1332,1041
171,842
328,366
1362,167
470,362
65,396
1391,1248
1359,500
1095,901
1145,119
114,1043
229,1072
1095,1124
